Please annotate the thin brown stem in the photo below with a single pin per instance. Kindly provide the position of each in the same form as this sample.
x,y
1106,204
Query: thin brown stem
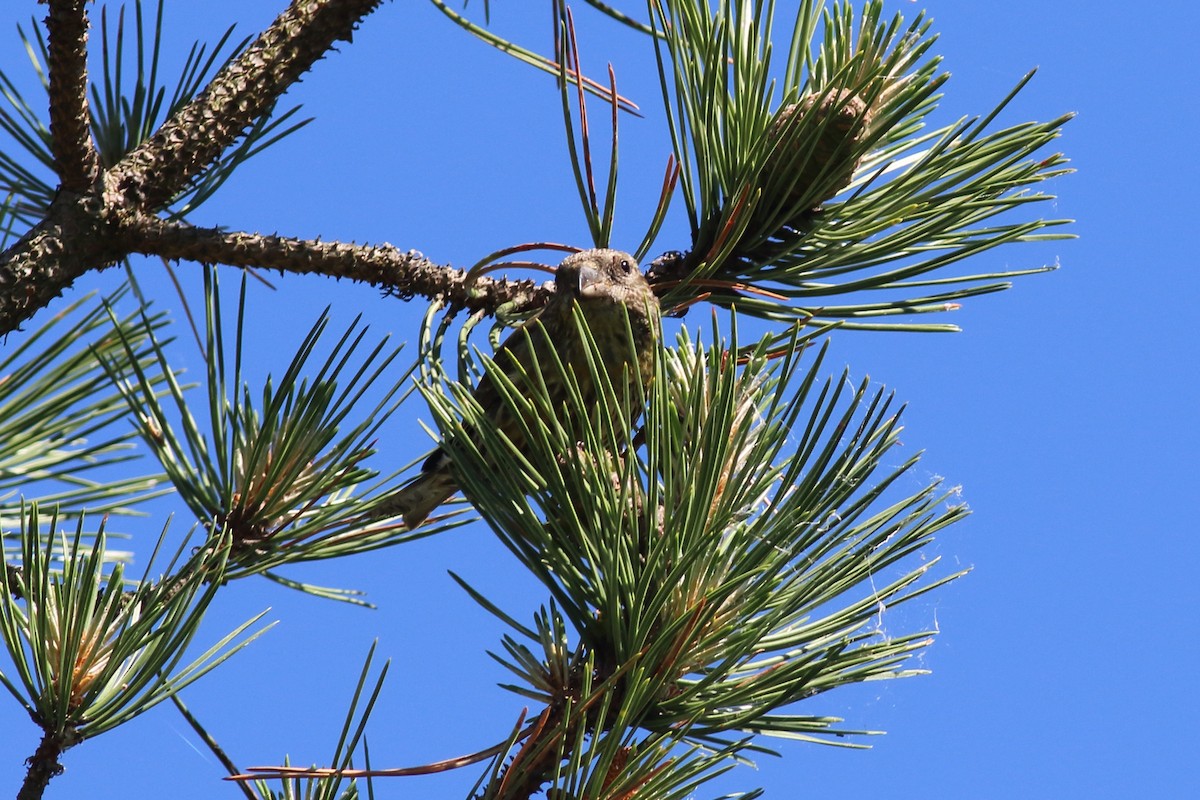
x,y
75,157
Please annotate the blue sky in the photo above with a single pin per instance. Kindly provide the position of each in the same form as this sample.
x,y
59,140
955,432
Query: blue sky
x,y
1065,409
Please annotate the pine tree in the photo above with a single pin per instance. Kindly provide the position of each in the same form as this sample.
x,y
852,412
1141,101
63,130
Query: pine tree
x,y
707,569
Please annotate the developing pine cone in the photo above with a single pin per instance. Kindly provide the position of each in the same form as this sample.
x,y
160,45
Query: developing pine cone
x,y
841,124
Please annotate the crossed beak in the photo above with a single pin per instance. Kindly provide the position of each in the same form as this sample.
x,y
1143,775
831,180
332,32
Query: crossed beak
x,y
588,277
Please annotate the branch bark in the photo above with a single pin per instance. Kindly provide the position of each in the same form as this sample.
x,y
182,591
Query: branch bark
x,y
244,90
44,763
99,218
73,238
75,159
404,274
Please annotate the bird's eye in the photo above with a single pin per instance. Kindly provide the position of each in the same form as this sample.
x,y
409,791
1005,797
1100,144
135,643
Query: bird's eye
x,y
625,265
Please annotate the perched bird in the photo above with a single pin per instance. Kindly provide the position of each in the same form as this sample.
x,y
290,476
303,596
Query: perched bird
x,y
609,289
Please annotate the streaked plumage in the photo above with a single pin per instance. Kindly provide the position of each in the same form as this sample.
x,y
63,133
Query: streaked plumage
x,y
609,289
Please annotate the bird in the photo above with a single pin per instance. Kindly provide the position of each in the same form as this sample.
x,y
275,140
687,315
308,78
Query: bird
x,y
615,299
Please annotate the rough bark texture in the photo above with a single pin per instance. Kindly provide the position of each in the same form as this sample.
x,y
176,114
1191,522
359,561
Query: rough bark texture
x,y
402,273
72,239
240,93
44,764
75,158
97,218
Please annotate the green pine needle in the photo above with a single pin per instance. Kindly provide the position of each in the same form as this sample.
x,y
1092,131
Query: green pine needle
x,y
736,562
279,473
58,408
88,655
770,210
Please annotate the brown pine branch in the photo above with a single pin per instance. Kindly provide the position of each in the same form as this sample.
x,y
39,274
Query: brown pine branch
x,y
75,157
79,235
44,764
403,274
93,224
243,91
73,238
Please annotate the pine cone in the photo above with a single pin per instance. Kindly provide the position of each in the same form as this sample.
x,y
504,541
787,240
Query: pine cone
x,y
841,122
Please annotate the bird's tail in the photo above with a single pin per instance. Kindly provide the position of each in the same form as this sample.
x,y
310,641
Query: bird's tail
x,y
416,501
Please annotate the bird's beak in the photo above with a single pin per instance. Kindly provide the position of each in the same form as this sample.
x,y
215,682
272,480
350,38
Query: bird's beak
x,y
588,277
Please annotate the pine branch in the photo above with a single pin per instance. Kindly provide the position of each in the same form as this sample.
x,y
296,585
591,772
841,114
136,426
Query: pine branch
x,y
72,239
44,764
79,235
75,157
835,191
403,274
85,230
241,92
87,654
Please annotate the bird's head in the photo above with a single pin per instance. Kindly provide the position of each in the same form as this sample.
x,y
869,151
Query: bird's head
x,y
597,273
